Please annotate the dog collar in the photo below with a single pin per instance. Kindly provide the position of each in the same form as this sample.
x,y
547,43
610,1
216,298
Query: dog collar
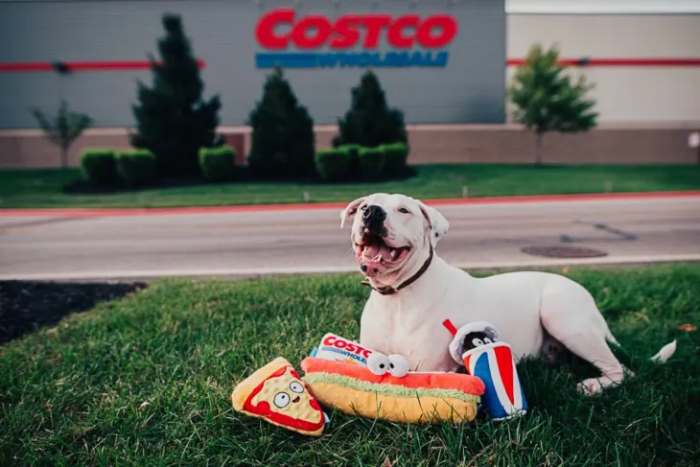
x,y
388,290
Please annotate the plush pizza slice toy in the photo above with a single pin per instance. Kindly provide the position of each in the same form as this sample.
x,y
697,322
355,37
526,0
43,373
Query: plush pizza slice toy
x,y
276,394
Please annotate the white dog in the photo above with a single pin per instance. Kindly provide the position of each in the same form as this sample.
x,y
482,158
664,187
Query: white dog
x,y
414,291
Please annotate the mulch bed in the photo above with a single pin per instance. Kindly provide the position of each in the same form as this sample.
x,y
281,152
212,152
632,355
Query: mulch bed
x,y
25,306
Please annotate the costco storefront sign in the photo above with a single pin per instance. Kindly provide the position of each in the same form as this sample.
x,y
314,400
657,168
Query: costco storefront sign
x,y
319,41
439,61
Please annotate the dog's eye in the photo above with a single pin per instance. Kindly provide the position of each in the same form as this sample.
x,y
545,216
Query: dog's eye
x,y
404,211
363,207
487,340
476,342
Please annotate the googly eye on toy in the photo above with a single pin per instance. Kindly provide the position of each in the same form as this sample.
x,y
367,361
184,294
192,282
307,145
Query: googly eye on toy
x,y
378,363
398,365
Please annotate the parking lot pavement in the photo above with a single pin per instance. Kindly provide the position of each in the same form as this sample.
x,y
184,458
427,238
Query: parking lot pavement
x,y
250,242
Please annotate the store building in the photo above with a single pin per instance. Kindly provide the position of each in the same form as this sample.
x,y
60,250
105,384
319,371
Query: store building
x,y
445,63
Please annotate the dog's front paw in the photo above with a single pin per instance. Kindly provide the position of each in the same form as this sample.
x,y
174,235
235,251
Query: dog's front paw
x,y
593,386
590,387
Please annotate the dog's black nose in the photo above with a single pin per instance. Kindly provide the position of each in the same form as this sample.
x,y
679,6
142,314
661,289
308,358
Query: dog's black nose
x,y
373,217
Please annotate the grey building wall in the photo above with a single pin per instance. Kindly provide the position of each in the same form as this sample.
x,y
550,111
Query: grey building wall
x,y
469,89
623,94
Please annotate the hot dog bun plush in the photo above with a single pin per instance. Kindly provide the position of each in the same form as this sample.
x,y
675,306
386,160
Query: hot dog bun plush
x,y
417,397
276,394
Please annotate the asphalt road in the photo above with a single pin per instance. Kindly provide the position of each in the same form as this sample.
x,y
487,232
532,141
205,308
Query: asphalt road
x,y
62,247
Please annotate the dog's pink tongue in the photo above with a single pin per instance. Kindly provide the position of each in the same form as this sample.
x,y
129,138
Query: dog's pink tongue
x,y
371,251
372,258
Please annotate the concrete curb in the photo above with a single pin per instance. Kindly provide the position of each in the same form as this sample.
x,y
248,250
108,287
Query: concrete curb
x,y
260,272
190,210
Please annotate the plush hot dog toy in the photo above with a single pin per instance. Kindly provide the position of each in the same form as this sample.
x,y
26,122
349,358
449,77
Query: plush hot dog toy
x,y
417,397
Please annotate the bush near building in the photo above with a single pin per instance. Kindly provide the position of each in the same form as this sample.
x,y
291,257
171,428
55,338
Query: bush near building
x,y
371,163
136,167
355,162
395,155
283,135
370,122
99,166
217,164
334,164
172,119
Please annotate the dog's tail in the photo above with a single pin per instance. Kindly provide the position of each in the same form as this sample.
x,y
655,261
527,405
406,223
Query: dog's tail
x,y
660,357
665,353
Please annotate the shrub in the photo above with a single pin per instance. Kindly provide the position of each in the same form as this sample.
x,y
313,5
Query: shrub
x,y
283,134
172,119
99,166
370,122
353,152
395,156
217,164
334,164
371,162
137,166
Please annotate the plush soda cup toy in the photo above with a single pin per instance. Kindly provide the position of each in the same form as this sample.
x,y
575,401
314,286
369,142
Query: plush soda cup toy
x,y
476,346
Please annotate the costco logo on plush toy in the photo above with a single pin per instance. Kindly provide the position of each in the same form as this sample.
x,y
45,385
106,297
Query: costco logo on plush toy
x,y
334,347
416,40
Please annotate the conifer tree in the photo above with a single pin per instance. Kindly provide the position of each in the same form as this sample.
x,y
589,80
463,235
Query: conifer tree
x,y
173,121
283,134
370,122
545,99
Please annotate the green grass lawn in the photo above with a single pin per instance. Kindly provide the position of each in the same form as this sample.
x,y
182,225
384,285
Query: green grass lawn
x,y
44,188
146,381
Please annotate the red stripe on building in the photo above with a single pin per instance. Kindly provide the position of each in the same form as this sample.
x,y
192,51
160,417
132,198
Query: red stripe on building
x,y
26,66
112,65
137,65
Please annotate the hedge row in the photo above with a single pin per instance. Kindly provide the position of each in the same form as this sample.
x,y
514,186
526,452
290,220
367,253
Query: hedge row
x,y
217,164
347,162
352,162
139,166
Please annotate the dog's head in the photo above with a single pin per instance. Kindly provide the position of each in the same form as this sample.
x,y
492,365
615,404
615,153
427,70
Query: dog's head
x,y
392,235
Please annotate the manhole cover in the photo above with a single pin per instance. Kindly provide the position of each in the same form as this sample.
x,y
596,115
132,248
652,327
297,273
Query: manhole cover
x,y
563,252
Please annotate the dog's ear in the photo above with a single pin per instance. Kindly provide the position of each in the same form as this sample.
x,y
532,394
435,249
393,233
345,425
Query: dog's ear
x,y
436,222
350,210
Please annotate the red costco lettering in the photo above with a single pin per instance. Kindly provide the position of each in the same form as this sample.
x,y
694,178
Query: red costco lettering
x,y
396,37
349,347
278,29
311,32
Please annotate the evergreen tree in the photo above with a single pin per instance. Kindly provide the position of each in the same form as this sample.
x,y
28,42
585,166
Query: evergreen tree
x,y
545,99
283,134
370,122
173,121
